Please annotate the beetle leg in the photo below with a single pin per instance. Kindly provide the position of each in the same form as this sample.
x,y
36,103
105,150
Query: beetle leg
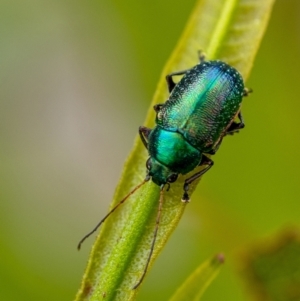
x,y
247,91
201,56
204,161
236,126
157,107
144,133
169,79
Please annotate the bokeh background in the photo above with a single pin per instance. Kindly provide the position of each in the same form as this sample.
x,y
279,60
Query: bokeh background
x,y
76,79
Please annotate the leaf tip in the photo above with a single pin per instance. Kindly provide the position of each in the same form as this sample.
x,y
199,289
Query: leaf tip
x,y
219,259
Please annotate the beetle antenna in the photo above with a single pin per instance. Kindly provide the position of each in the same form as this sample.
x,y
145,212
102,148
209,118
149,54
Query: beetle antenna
x,y
154,236
111,211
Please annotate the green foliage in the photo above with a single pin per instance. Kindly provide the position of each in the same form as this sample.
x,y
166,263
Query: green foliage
x,y
195,285
118,258
76,79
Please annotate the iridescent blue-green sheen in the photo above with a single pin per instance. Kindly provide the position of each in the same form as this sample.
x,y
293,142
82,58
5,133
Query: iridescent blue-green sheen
x,y
195,118
171,149
203,104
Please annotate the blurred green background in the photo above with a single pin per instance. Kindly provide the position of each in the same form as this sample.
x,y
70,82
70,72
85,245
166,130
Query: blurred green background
x,y
76,79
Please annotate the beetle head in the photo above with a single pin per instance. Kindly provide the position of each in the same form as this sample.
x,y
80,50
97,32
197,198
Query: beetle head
x,y
160,173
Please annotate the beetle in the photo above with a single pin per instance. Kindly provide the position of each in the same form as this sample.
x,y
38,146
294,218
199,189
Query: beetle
x,y
202,108
200,111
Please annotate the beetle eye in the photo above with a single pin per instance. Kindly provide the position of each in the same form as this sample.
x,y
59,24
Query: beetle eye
x,y
148,164
172,178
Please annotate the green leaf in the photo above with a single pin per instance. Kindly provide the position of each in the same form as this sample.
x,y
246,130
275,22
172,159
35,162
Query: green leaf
x,y
228,30
195,285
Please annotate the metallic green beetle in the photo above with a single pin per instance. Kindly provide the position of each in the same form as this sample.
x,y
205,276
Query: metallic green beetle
x,y
200,111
